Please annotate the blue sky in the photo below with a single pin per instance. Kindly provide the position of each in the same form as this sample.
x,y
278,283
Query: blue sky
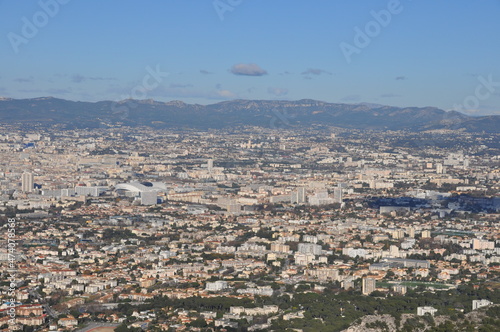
x,y
403,53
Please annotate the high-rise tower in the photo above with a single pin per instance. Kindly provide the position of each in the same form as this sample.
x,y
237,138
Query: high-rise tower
x,y
27,182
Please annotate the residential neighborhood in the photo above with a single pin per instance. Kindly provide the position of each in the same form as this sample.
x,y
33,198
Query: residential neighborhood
x,y
107,225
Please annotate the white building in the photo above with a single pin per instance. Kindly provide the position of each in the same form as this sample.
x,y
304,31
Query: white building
x,y
337,195
27,182
421,311
262,291
480,244
352,252
298,196
216,285
146,192
368,286
304,259
476,304
320,198
323,274
309,248
90,191
149,198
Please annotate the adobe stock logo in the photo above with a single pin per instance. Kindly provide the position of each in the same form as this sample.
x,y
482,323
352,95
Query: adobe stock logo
x,y
30,28
120,109
281,120
363,37
483,91
222,6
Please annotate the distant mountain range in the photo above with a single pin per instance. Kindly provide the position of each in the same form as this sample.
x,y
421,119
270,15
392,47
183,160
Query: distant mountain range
x,y
305,113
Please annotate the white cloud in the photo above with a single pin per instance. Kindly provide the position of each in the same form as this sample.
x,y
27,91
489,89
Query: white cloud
x,y
250,69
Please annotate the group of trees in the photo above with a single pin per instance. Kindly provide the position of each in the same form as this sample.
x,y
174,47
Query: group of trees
x,y
334,309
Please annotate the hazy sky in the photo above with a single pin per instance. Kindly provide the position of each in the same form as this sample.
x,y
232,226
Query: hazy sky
x,y
404,53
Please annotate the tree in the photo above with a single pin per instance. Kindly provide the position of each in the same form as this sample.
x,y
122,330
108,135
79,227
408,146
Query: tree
x,y
199,322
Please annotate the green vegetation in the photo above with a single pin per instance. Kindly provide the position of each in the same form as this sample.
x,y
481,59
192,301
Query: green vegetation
x,y
334,311
220,304
117,234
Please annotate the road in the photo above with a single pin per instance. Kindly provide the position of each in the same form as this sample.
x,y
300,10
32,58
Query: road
x,y
51,312
96,325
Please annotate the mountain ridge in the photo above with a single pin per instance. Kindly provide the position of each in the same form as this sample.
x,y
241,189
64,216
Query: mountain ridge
x,y
303,113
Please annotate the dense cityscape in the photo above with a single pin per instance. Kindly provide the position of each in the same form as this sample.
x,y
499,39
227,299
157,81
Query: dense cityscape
x,y
249,166
249,229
